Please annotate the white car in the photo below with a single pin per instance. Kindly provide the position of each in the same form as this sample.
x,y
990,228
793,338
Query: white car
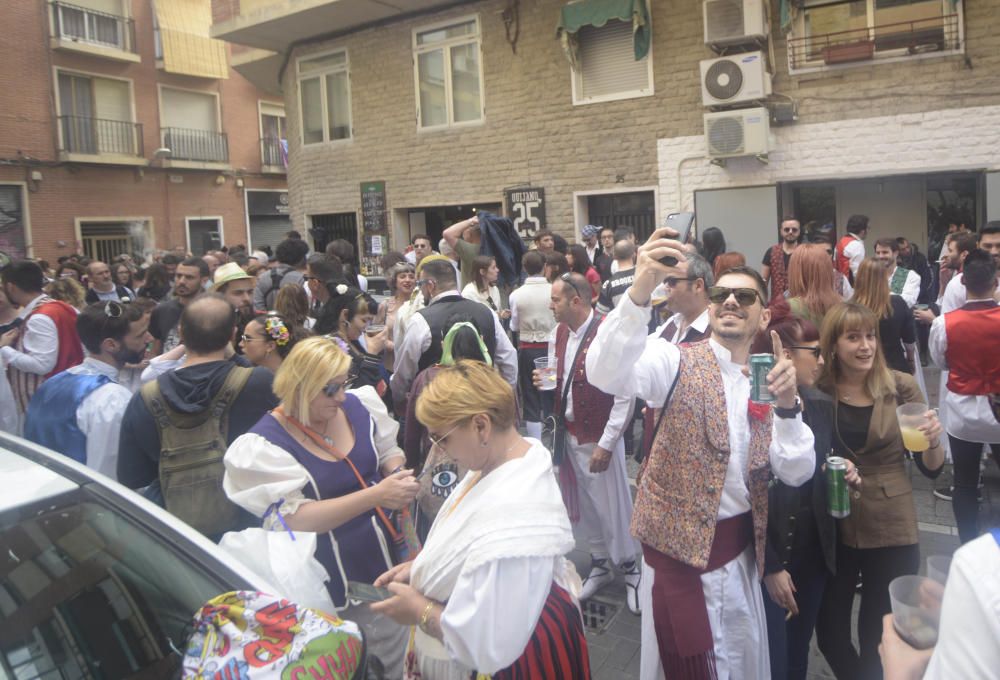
x,y
96,581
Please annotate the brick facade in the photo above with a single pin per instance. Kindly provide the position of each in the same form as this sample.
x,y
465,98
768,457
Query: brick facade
x,y
70,192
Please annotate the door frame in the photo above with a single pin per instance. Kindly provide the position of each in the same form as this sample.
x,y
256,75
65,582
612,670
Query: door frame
x,y
187,228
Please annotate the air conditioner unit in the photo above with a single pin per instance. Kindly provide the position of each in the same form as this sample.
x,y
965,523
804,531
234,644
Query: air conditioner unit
x,y
741,132
735,22
734,79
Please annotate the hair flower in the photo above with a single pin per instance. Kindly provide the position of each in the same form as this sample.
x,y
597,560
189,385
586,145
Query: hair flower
x,y
277,330
341,288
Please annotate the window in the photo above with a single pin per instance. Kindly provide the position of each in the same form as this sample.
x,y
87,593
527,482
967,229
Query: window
x,y
105,241
189,126
13,239
843,31
97,22
95,116
448,74
325,98
204,234
607,67
273,135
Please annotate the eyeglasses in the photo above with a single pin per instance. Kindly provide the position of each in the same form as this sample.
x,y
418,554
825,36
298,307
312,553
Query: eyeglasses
x,y
672,281
420,282
815,350
331,389
745,296
568,278
248,338
439,441
113,309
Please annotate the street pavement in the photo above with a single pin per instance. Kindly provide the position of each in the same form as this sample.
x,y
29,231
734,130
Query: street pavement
x,y
614,648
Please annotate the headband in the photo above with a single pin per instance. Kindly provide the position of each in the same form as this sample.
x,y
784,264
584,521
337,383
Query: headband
x,y
449,340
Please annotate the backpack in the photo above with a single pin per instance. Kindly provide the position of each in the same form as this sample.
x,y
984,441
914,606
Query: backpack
x,y
272,292
192,446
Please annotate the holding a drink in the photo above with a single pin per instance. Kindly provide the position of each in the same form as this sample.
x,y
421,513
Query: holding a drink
x,y
545,373
915,424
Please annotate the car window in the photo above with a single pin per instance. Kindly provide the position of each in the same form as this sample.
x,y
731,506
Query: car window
x,y
86,592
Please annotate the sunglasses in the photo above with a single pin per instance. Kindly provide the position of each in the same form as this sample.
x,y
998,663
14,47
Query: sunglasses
x,y
745,296
568,279
439,441
331,389
790,231
113,309
815,350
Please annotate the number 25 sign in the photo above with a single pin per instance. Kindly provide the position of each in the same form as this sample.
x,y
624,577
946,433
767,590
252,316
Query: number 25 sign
x,y
526,207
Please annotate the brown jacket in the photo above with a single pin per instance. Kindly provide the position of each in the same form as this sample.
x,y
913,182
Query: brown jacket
x,y
882,513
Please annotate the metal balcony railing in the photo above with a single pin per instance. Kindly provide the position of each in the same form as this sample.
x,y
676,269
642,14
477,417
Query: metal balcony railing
x,y
196,145
274,152
936,34
97,136
81,24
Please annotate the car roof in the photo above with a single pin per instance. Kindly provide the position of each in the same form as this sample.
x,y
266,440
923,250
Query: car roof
x,y
34,482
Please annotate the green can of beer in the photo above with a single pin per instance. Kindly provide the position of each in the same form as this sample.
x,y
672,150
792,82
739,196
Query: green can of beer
x,y
838,500
760,366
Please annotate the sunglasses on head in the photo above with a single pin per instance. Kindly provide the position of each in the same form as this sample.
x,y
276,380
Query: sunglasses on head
x,y
745,296
113,309
815,350
568,279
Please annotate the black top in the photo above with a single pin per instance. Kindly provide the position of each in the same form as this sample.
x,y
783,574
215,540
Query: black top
x,y
894,330
164,319
766,260
444,308
613,289
852,423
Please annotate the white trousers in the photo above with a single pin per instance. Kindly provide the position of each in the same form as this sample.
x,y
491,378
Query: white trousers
x,y
735,612
605,502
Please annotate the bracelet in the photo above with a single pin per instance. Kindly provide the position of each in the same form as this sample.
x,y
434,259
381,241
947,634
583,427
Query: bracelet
x,y
426,615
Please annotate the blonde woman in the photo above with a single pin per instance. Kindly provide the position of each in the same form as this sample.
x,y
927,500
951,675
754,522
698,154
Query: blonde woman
x,y
878,541
321,462
491,592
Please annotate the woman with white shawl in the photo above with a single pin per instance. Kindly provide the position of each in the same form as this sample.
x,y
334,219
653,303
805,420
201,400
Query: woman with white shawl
x,y
491,592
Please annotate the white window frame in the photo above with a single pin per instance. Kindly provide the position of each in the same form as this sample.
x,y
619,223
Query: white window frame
x,y
445,46
147,221
321,74
576,80
878,57
160,87
187,228
56,70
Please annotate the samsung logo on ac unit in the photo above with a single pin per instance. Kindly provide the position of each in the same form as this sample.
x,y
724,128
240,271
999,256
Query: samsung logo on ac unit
x,y
752,119
753,57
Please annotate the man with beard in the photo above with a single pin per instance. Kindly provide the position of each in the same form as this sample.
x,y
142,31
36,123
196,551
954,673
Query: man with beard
x,y
79,412
236,286
189,281
902,281
701,508
774,267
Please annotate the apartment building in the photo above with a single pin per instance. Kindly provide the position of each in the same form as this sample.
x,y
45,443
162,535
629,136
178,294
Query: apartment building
x,y
405,118
124,130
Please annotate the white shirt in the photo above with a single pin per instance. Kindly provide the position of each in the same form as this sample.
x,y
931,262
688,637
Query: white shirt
x,y
99,416
623,361
40,343
699,324
911,287
529,305
418,339
966,416
967,645
472,292
622,408
855,253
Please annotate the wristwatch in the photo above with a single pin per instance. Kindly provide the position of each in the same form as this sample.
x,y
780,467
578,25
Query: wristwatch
x,y
789,412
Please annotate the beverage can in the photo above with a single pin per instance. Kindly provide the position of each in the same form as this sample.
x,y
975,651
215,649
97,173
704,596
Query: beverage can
x,y
838,500
760,366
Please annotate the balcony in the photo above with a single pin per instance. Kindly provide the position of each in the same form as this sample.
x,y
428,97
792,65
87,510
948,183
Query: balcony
x,y
195,149
83,139
80,29
905,39
275,24
274,155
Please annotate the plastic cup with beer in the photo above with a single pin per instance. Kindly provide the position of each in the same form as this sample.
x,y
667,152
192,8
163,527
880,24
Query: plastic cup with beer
x,y
373,329
937,568
546,367
916,609
911,417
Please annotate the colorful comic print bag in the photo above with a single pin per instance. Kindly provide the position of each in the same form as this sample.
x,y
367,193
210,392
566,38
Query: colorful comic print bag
x,y
250,635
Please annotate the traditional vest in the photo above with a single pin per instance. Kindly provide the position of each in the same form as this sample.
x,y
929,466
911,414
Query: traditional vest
x,y
51,419
898,280
779,275
973,334
681,484
591,406
843,262
439,312
70,352
534,317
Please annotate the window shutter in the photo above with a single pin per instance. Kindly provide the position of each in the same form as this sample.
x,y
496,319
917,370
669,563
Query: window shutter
x,y
607,61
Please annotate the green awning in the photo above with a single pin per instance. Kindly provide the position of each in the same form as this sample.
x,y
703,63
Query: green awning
x,y
576,15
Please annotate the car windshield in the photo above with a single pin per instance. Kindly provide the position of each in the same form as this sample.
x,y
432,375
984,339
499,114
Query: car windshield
x,y
86,592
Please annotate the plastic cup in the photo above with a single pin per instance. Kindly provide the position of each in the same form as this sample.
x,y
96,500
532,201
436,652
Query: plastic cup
x,y
916,609
911,416
546,368
937,568
373,329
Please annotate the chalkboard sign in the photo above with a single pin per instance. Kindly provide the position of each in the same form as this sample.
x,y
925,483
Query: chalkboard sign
x,y
526,207
374,208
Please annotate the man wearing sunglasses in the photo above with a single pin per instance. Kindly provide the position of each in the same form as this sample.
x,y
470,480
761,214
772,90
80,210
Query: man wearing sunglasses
x,y
701,508
774,267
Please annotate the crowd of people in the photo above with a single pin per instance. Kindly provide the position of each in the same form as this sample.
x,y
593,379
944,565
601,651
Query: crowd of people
x,y
448,442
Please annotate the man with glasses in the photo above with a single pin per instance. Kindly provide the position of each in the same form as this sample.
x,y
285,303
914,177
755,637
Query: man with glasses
x,y
701,508
102,287
79,412
592,423
774,267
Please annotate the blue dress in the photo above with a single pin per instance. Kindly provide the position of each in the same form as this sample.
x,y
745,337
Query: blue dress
x,y
359,549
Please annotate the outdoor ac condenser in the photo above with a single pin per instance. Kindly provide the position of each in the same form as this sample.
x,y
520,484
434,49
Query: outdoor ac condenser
x,y
735,79
734,22
736,133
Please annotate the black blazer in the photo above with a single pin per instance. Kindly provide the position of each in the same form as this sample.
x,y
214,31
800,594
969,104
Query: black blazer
x,y
784,502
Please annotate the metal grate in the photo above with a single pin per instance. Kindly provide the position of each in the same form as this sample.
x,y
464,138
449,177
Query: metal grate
x,y
724,79
725,135
598,614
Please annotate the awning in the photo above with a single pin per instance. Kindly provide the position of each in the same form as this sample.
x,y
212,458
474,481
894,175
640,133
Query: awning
x,y
576,15
184,29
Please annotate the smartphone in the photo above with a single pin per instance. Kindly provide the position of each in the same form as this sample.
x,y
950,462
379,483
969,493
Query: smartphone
x,y
365,592
681,222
